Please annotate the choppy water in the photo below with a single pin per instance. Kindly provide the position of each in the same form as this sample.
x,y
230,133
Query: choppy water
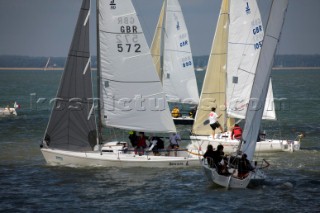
x,y
27,184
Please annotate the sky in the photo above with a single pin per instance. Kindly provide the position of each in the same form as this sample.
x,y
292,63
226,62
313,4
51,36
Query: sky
x,y
45,27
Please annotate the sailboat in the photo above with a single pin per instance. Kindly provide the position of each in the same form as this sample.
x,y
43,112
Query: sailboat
x,y
9,111
172,56
257,99
47,64
229,79
131,96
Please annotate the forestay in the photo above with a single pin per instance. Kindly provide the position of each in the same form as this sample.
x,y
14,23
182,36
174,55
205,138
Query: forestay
x,y
72,123
131,91
261,80
244,44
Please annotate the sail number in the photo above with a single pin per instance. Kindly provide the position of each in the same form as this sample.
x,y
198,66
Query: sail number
x,y
257,30
128,43
257,45
129,29
129,47
184,43
128,40
186,61
187,64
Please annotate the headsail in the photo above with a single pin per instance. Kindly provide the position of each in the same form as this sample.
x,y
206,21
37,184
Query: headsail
x,y
131,91
261,80
72,125
213,92
177,73
156,50
244,43
179,81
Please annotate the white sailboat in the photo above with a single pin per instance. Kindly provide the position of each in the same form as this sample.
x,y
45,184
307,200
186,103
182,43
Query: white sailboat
x,y
131,96
229,79
9,111
257,98
47,64
172,56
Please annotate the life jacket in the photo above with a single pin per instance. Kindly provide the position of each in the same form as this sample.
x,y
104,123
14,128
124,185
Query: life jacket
x,y
237,132
175,113
142,142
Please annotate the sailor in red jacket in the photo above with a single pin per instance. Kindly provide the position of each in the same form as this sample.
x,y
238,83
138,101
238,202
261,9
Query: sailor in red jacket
x,y
142,144
236,132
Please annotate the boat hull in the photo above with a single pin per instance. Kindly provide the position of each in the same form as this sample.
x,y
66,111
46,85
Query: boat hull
x,y
8,112
183,120
225,181
230,146
98,159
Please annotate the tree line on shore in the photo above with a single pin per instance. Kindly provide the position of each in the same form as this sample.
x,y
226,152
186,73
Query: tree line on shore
x,y
17,61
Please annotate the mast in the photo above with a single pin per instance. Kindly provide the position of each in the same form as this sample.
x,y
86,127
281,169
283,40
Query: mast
x,y
99,129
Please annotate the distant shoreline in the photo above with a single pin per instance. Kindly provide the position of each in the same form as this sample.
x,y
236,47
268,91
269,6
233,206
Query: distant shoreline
x,y
33,68
295,68
61,68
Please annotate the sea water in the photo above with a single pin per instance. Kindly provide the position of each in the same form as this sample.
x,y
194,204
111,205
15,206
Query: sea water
x,y
27,184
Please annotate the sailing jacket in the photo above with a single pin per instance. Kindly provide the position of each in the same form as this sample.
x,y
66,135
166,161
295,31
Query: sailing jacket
x,y
236,133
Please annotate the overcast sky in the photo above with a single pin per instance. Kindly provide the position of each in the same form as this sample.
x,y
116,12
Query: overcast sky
x,y
45,27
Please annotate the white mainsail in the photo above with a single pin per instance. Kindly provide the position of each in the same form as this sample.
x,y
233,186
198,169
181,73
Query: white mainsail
x,y
244,43
130,89
171,39
261,80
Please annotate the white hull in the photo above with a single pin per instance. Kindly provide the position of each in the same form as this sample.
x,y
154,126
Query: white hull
x,y
7,112
225,181
118,159
183,120
230,146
